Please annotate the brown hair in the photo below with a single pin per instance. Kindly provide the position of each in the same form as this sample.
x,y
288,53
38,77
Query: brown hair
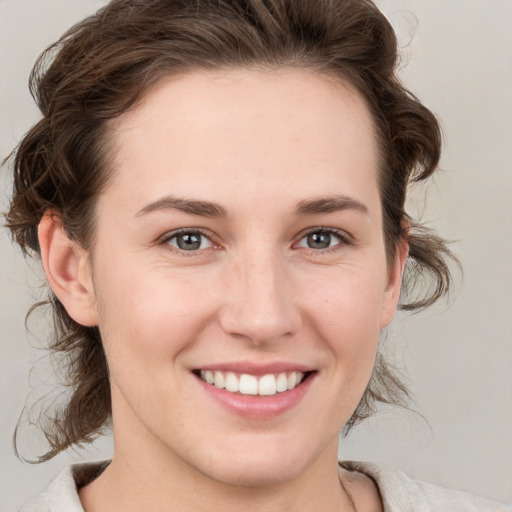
x,y
101,68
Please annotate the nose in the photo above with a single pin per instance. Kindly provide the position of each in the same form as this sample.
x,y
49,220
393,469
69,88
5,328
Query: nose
x,y
259,304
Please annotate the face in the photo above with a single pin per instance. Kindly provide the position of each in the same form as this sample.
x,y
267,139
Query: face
x,y
239,245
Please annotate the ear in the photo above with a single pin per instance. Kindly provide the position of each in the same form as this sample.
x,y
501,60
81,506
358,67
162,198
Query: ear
x,y
394,285
67,270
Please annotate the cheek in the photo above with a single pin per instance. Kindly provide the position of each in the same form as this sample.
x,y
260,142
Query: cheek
x,y
150,315
348,306
346,317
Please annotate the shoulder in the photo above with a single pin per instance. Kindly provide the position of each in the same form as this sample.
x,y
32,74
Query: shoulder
x,y
399,493
62,494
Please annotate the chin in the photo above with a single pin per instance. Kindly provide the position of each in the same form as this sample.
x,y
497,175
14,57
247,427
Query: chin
x,y
257,467
261,473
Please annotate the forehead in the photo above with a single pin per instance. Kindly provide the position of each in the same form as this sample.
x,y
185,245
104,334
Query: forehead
x,y
245,127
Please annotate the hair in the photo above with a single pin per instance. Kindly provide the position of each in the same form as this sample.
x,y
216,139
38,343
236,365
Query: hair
x,y
102,67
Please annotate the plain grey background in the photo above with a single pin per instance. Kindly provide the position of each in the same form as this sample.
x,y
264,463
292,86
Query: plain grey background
x,y
457,57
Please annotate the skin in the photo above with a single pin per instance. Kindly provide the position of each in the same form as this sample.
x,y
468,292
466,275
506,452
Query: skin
x,y
259,145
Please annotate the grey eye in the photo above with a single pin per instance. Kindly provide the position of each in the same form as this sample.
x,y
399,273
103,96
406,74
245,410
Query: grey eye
x,y
189,241
320,240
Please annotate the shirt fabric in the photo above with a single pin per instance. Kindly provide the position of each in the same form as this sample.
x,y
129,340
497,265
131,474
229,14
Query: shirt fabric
x,y
399,492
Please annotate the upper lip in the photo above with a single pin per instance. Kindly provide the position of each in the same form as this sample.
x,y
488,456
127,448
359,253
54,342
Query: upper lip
x,y
252,368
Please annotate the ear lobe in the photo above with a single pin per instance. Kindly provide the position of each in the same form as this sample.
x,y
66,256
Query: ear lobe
x,y
67,270
393,288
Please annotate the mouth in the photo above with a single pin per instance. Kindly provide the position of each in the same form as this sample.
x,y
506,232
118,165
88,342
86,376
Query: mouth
x,y
255,385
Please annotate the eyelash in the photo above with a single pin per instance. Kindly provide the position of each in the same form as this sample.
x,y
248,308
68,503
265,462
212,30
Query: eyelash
x,y
341,235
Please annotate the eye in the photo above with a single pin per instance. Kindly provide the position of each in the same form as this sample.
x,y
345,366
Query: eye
x,y
322,239
188,240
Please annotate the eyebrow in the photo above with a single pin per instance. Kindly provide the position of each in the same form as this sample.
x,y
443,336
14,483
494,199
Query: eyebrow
x,y
330,204
192,206
316,206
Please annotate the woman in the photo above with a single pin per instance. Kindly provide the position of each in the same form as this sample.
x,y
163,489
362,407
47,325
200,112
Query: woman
x,y
216,192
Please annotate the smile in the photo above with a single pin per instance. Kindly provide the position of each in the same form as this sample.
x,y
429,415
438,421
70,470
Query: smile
x,y
246,384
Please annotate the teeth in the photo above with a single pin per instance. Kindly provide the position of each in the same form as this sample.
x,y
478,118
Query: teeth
x,y
248,384
292,380
218,379
231,383
282,383
266,385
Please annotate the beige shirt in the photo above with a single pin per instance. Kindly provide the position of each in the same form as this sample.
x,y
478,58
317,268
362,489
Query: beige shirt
x,y
399,493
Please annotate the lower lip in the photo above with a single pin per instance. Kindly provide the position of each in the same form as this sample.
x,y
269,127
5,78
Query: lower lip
x,y
257,406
